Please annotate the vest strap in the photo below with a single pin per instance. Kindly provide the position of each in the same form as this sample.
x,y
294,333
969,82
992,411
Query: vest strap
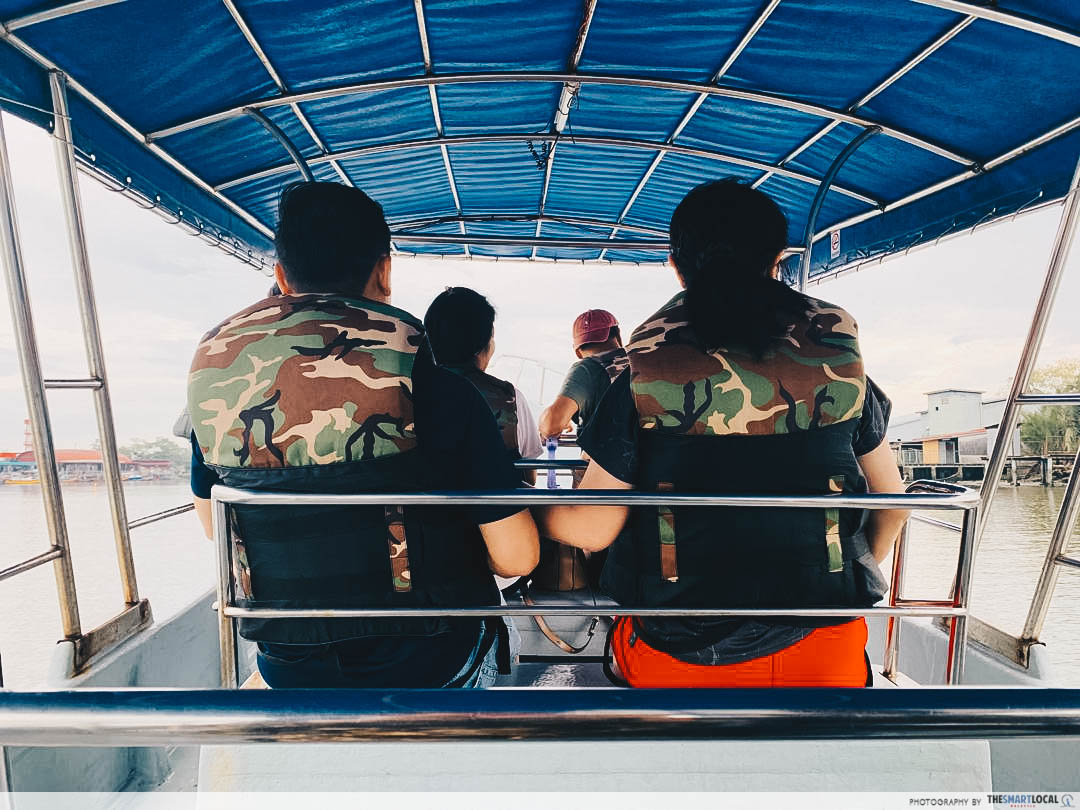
x,y
399,549
669,565
833,547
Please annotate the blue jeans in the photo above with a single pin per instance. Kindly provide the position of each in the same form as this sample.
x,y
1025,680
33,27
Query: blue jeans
x,y
488,671
319,670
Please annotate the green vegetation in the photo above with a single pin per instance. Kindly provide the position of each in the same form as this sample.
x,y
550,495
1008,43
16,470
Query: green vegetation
x,y
1053,428
163,447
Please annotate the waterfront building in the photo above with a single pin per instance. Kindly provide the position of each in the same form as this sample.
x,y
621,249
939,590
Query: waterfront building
x,y
86,465
951,438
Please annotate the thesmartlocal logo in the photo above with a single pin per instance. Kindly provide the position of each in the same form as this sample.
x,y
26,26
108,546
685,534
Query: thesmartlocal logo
x,y
1062,800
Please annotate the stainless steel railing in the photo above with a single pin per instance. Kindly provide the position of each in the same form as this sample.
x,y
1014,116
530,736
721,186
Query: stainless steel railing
x,y
955,609
135,614
143,717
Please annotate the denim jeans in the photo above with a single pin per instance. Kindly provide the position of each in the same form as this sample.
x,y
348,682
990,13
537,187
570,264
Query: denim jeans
x,y
323,671
488,670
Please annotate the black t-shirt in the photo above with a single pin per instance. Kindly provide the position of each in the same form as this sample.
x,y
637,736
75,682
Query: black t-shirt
x,y
462,449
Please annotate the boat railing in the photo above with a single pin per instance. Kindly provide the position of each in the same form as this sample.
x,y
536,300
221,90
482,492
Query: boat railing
x,y
567,464
169,717
955,609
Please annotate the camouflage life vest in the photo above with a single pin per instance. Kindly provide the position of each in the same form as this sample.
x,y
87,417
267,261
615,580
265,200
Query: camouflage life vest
x,y
727,421
615,362
314,393
501,397
302,380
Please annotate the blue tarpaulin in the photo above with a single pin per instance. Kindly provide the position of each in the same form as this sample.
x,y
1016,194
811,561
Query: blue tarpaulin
x,y
567,129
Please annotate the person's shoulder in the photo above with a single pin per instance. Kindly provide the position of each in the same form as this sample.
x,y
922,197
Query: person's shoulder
x,y
356,313
507,388
389,311
446,390
264,311
670,316
842,320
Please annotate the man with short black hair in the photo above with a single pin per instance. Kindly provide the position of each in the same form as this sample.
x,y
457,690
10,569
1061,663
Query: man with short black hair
x,y
598,345
329,388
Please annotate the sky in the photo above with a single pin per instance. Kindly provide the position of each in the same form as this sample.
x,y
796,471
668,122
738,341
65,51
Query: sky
x,y
954,315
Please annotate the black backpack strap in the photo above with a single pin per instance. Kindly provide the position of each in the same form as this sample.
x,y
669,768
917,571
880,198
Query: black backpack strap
x,y
609,673
501,636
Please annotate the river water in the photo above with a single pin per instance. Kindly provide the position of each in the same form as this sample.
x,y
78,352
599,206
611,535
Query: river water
x,y
175,564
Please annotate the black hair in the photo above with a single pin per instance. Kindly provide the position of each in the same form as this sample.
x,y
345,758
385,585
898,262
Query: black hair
x,y
725,237
459,324
329,237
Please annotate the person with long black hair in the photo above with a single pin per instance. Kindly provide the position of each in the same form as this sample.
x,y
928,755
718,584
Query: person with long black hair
x,y
738,384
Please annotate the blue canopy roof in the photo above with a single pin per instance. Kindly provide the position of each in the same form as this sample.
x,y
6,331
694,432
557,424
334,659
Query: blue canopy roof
x,y
569,128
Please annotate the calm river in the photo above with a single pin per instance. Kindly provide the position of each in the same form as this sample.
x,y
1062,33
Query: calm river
x,y
175,565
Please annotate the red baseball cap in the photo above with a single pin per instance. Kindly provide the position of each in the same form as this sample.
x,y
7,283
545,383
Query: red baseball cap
x,y
593,326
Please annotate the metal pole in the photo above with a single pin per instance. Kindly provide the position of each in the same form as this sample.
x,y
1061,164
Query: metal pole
x,y
954,668
167,717
892,630
283,139
5,769
95,354
33,385
819,198
226,627
961,499
1059,541
1067,225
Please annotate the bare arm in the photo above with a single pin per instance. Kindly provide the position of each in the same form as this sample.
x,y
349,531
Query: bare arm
x,y
881,473
513,544
556,417
592,528
202,509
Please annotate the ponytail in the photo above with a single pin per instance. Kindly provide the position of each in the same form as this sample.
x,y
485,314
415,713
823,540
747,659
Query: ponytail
x,y
725,237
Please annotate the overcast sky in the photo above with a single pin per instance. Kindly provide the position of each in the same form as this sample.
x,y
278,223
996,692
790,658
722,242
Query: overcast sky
x,y
950,316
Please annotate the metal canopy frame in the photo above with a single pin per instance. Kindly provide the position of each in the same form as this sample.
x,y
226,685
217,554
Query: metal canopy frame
x,y
133,132
1009,18
563,107
692,111
969,11
275,77
596,243
588,222
532,77
433,94
882,86
279,135
819,199
444,141
960,177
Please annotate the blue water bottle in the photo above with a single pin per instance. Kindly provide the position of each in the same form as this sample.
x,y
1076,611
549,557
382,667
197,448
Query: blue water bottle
x,y
552,446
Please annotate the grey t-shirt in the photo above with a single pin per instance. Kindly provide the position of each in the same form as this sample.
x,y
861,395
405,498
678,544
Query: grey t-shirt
x,y
585,383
